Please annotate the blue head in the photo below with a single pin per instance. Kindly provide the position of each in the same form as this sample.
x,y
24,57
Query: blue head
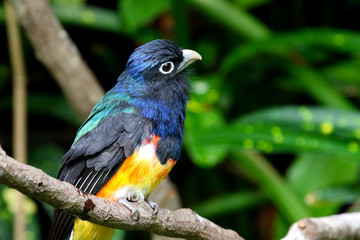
x,y
150,55
156,68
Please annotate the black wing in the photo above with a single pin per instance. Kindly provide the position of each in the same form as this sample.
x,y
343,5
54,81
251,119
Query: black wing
x,y
94,159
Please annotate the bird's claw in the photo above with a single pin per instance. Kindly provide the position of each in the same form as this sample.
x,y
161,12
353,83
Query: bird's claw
x,y
153,205
134,212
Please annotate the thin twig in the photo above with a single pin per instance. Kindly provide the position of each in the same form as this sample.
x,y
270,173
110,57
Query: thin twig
x,y
19,109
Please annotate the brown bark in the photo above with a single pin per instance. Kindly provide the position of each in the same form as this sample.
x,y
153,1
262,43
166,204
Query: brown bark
x,y
336,227
63,196
166,196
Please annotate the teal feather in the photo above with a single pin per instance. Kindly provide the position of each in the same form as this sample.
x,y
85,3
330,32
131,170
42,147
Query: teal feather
x,y
113,100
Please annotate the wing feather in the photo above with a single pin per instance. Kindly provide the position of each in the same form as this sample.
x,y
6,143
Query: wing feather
x,y
96,156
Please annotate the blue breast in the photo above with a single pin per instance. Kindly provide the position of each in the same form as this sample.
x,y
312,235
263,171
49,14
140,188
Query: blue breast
x,y
166,113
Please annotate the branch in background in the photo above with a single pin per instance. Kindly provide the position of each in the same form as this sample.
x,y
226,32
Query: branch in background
x,y
336,227
35,183
58,53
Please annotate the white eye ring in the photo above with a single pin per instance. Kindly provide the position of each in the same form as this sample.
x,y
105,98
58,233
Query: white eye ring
x,y
166,67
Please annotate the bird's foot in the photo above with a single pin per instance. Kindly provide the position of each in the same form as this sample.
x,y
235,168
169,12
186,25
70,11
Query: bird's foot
x,y
135,213
153,205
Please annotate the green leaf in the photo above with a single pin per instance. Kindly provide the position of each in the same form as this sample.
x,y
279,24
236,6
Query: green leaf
x,y
136,14
291,130
310,173
343,41
209,92
303,174
319,88
347,72
203,114
338,195
200,154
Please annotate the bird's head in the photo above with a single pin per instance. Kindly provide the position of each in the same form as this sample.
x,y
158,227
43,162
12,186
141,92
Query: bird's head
x,y
159,63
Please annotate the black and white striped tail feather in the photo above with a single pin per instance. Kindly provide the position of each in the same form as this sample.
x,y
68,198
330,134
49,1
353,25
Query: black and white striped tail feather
x,y
90,181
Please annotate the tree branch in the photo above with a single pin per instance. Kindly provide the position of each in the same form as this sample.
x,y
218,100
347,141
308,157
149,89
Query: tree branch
x,y
59,54
336,227
63,196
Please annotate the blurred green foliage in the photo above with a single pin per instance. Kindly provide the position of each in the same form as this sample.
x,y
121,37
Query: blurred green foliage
x,y
273,126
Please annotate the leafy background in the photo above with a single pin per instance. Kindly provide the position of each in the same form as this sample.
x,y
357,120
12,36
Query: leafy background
x,y
273,127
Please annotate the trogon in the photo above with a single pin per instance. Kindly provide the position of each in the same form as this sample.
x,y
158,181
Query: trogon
x,y
132,137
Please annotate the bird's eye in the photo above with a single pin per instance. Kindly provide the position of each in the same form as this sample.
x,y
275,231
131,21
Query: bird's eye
x,y
167,67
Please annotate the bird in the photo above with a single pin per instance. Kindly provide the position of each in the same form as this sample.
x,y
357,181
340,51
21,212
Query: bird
x,y
132,137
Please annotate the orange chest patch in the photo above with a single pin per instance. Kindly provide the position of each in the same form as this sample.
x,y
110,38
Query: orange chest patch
x,y
142,172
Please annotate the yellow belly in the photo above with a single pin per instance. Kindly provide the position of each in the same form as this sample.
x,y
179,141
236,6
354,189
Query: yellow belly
x,y
84,230
141,173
